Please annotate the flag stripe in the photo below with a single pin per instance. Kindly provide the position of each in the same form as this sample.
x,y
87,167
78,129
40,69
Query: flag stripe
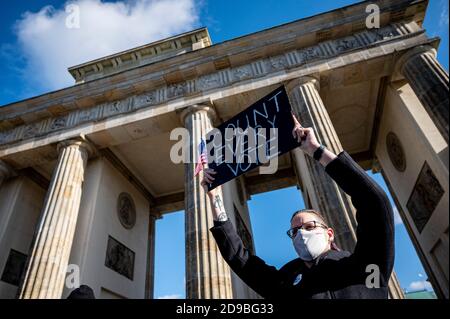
x,y
203,159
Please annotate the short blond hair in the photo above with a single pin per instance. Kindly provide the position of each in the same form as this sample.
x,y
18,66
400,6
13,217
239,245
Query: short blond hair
x,y
310,211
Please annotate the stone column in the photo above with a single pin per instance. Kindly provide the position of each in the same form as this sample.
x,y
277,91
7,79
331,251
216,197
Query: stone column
x,y
324,193
46,268
326,196
5,172
150,283
430,83
207,274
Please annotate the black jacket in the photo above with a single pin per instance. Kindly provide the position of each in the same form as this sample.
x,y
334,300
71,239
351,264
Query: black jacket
x,y
335,274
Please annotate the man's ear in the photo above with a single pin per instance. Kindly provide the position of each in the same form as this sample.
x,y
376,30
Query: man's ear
x,y
330,233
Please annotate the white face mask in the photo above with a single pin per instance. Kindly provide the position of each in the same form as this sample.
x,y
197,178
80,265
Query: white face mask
x,y
310,244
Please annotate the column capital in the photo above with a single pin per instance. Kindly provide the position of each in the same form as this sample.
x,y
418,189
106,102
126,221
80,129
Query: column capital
x,y
412,53
202,107
81,143
294,83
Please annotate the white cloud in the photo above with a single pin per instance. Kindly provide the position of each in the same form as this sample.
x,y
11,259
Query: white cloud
x,y
419,285
443,19
50,47
397,218
170,297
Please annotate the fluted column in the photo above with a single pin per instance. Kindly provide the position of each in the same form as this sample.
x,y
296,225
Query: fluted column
x,y
430,83
207,274
325,194
46,268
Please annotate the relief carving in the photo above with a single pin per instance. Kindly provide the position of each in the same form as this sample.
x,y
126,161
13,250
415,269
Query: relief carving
x,y
87,114
5,136
145,99
395,151
209,81
241,72
126,210
425,197
346,44
30,130
384,33
177,90
202,83
120,258
309,54
278,62
58,123
116,107
14,268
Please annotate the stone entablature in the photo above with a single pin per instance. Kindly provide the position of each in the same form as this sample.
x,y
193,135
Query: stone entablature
x,y
299,34
142,55
330,52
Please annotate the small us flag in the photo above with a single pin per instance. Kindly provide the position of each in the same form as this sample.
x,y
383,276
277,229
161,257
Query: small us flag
x,y
203,157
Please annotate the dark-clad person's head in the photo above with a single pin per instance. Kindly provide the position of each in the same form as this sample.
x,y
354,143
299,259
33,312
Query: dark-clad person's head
x,y
83,292
310,234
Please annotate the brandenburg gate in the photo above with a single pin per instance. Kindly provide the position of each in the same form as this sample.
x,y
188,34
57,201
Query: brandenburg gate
x,y
85,171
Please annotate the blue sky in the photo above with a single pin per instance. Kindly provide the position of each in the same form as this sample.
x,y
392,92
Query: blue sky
x,y
36,49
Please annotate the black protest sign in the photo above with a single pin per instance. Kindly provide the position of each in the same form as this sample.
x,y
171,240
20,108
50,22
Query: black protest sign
x,y
265,129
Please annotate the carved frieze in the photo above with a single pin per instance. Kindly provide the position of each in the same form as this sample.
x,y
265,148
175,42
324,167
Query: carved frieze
x,y
346,44
177,90
30,130
294,58
242,72
209,81
58,123
310,54
88,114
278,62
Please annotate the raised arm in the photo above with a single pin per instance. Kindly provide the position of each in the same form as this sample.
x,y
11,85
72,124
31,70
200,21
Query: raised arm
x,y
374,215
247,266
375,230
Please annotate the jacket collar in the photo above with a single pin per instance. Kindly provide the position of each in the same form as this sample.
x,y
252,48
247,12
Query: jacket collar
x,y
331,254
298,265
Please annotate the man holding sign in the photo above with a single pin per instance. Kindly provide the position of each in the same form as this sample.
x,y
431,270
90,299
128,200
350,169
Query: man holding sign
x,y
322,271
